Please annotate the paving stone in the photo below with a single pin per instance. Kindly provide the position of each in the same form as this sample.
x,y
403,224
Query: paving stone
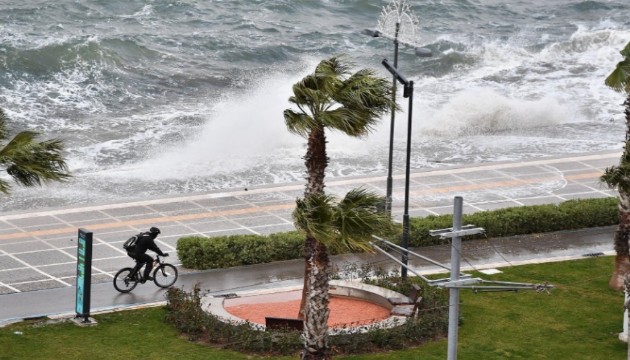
x,y
45,257
402,310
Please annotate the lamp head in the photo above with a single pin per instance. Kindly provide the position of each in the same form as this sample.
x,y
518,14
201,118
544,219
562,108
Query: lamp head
x,y
423,52
372,33
401,79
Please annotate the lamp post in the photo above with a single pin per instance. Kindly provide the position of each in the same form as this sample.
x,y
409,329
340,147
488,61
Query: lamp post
x,y
407,93
397,13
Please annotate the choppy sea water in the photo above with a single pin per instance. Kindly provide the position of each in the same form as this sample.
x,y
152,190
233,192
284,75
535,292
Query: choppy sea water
x,y
159,98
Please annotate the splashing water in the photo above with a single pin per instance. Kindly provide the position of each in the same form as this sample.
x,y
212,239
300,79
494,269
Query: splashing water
x,y
175,98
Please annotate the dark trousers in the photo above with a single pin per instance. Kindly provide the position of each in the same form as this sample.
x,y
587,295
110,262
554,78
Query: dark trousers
x,y
145,259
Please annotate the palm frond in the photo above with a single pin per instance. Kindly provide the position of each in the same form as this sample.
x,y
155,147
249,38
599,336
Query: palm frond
x,y
613,176
3,127
299,123
345,225
366,89
356,123
619,78
5,188
308,91
618,177
357,217
337,67
30,163
338,100
313,215
21,143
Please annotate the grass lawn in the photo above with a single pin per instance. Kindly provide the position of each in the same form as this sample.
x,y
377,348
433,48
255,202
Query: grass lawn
x,y
579,320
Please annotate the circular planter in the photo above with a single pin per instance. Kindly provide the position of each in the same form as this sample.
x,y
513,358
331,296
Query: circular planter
x,y
373,294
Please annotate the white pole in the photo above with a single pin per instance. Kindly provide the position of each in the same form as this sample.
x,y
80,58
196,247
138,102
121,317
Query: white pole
x,y
453,301
624,335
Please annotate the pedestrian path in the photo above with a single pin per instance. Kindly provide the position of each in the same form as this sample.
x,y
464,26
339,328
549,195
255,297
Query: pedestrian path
x,y
478,255
38,248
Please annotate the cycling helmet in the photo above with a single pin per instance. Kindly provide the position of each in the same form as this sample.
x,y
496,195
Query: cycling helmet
x,y
155,231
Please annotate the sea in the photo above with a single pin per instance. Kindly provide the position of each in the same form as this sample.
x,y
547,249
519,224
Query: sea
x,y
160,98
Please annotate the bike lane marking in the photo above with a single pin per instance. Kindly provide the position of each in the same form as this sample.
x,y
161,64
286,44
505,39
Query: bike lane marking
x,y
146,221
27,265
503,183
287,206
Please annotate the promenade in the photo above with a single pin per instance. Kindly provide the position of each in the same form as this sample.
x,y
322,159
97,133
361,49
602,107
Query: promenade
x,y
38,248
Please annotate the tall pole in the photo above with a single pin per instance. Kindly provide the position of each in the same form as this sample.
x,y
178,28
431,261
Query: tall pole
x,y
405,238
626,324
453,301
388,196
408,93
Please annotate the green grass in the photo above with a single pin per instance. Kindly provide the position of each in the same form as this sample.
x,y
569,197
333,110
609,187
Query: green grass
x,y
579,320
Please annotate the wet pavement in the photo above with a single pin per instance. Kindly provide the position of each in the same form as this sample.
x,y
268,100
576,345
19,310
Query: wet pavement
x,y
38,249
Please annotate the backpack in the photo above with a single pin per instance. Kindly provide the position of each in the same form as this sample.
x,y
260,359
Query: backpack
x,y
130,244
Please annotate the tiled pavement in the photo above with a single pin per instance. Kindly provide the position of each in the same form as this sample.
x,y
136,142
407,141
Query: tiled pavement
x,y
38,249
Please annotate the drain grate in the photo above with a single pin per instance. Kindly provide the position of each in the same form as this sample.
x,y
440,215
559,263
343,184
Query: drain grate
x,y
227,296
594,254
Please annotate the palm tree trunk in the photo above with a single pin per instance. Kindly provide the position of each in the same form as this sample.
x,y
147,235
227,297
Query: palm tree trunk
x,y
316,310
626,306
622,235
316,162
309,250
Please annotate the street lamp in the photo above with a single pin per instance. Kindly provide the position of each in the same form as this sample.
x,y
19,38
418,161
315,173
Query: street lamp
x,y
400,13
407,93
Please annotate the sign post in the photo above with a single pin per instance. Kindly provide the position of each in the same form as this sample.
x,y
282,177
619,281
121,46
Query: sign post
x,y
84,275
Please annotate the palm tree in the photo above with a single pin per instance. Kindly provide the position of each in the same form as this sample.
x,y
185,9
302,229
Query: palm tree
x,y
333,98
27,161
618,177
346,225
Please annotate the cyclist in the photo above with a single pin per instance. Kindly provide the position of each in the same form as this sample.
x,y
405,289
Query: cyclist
x,y
146,241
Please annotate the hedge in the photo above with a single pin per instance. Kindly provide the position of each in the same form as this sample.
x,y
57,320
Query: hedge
x,y
198,252
568,215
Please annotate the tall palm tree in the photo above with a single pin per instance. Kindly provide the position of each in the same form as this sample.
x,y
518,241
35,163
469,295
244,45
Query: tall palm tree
x,y
333,98
346,225
27,161
618,177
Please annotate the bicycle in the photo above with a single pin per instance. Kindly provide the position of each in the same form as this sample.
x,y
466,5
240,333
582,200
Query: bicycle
x,y
164,276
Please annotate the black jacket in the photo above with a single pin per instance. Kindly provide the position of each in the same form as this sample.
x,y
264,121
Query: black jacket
x,y
146,242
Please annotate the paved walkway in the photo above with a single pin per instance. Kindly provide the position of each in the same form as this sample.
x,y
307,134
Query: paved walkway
x,y
38,249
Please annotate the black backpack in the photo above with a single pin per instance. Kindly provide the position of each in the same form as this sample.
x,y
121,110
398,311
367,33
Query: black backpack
x,y
130,244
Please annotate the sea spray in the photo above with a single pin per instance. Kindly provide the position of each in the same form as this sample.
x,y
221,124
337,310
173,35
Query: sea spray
x,y
156,99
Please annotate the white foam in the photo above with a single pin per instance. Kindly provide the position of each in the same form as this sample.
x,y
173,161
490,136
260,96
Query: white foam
x,y
506,100
483,111
241,130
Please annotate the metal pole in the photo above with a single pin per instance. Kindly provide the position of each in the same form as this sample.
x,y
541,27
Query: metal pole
x,y
388,196
626,307
453,301
405,238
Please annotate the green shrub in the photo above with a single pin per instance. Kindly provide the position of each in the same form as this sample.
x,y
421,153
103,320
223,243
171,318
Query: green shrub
x,y
198,252
224,251
591,213
419,229
569,215
184,311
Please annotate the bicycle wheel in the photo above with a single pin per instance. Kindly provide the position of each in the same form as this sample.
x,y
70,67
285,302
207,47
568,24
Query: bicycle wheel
x,y
123,282
165,275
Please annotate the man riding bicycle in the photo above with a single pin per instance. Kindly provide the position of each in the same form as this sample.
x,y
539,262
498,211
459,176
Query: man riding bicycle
x,y
146,241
